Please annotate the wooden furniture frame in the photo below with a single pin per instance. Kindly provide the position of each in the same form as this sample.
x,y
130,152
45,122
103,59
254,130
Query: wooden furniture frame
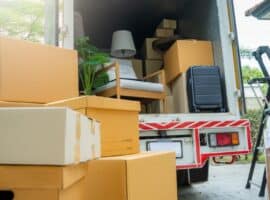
x,y
141,95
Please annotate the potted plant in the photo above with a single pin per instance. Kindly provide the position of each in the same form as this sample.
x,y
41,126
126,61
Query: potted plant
x,y
91,60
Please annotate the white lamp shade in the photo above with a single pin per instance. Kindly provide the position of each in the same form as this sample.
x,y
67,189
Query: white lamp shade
x,y
122,44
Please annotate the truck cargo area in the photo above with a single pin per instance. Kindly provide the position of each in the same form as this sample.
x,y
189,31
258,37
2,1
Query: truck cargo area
x,y
201,20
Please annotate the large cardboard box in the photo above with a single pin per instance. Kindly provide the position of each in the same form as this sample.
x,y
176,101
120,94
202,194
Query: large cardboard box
x,y
38,73
43,182
119,124
47,136
164,33
179,94
135,177
138,67
148,52
186,53
152,66
168,23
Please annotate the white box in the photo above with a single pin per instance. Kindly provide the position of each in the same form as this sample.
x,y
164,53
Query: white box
x,y
46,136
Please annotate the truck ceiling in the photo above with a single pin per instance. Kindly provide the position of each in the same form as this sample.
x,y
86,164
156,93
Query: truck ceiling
x,y
102,17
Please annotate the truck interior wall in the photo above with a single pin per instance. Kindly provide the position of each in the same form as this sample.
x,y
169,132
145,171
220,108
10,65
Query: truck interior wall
x,y
200,21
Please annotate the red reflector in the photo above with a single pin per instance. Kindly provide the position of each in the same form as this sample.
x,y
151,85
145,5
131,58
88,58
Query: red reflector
x,y
224,139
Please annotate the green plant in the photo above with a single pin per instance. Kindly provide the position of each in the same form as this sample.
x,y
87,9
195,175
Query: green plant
x,y
255,119
91,60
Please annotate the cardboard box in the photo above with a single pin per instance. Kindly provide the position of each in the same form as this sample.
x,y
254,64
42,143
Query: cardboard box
x,y
164,33
138,67
168,23
119,124
43,182
119,121
179,93
135,177
32,72
159,107
148,52
47,136
152,66
186,53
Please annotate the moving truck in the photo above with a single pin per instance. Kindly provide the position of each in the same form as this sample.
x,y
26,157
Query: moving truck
x,y
194,136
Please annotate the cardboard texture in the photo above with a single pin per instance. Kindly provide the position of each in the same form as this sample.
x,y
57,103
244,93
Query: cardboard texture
x,y
138,68
47,136
152,66
168,24
184,54
163,33
148,52
133,177
267,153
43,182
36,73
119,124
179,93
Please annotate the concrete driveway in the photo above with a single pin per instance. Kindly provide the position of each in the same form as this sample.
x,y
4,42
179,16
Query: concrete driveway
x,y
225,183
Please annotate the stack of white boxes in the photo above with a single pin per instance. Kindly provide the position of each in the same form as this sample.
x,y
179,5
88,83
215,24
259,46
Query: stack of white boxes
x,y
44,152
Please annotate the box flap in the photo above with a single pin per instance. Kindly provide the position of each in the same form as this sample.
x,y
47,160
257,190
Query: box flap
x,y
74,103
18,104
113,104
40,177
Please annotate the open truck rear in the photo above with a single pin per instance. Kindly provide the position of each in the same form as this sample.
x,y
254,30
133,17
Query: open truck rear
x,y
191,135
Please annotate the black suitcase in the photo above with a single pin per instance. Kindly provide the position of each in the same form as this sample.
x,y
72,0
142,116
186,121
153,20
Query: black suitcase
x,y
205,89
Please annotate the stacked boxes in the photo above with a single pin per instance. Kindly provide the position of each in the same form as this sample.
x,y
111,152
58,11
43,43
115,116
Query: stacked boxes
x,y
48,151
154,62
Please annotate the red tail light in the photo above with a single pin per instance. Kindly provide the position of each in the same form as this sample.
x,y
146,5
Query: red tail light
x,y
223,139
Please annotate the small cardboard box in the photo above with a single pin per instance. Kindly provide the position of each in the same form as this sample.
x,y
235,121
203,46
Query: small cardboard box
x,y
47,136
141,176
138,67
119,124
32,72
164,33
179,93
184,54
168,24
152,66
43,182
148,52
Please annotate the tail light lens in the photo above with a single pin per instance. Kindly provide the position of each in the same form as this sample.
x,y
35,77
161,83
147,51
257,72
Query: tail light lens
x,y
223,139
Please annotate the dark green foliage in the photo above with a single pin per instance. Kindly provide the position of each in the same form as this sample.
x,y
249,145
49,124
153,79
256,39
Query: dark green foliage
x,y
91,60
255,119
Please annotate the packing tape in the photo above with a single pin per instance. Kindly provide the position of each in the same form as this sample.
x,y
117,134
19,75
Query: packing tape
x,y
93,126
77,148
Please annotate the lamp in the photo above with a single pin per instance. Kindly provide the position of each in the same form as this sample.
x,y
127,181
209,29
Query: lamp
x,y
260,11
122,44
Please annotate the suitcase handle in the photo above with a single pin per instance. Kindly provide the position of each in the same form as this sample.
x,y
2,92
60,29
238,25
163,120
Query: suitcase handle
x,y
6,195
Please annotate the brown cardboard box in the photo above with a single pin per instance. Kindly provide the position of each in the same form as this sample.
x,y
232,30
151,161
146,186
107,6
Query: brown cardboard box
x,y
179,93
164,33
43,183
152,66
184,54
119,124
168,23
38,73
138,67
142,176
148,52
